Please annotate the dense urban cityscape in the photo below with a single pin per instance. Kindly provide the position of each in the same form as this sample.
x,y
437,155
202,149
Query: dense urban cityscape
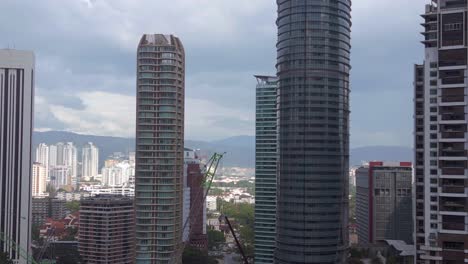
x,y
158,197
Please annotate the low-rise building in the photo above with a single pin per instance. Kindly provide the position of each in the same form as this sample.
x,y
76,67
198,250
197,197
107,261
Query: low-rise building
x,y
43,208
106,233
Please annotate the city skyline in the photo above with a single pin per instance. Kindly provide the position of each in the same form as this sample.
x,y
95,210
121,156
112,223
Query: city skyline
x,y
210,85
302,203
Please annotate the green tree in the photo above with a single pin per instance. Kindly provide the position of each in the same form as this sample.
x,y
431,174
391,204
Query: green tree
x,y
216,191
73,206
4,259
215,237
392,260
35,232
193,255
72,232
355,253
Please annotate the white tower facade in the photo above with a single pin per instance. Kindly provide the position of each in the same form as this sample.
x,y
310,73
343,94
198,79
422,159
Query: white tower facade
x,y
90,160
39,179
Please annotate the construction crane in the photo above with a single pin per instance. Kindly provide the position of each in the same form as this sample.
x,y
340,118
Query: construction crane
x,y
210,171
48,239
239,246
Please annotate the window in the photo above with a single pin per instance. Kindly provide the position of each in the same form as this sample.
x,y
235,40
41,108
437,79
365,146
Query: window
x,y
453,27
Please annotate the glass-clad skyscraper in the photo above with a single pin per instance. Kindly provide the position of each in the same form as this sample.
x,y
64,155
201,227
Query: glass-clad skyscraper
x,y
313,66
159,149
265,168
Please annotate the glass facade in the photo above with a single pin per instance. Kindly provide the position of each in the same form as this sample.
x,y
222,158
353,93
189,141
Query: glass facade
x,y
159,149
313,65
265,168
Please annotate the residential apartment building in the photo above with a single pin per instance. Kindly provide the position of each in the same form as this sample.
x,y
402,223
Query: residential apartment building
x,y
17,76
39,179
159,157
384,202
90,160
70,159
441,143
43,208
313,69
265,168
60,176
42,156
106,232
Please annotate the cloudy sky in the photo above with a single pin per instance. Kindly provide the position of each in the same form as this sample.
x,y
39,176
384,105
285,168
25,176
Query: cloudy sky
x,y
85,62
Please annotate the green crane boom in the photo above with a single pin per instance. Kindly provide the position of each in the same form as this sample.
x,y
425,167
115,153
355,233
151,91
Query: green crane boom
x,y
210,171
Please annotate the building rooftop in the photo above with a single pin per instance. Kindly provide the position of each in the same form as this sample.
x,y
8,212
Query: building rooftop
x,y
402,247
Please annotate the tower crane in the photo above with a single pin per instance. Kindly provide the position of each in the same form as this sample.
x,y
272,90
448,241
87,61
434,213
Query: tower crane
x,y
210,171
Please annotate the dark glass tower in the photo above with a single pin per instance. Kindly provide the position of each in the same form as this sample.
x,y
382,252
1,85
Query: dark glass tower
x,y
313,109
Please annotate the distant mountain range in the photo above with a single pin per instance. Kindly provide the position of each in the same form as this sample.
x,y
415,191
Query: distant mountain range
x,y
240,150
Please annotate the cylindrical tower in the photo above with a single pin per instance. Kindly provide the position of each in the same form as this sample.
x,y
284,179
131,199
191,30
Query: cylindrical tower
x,y
313,65
159,148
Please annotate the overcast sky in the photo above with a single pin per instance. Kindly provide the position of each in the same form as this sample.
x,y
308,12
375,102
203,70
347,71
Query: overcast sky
x,y
85,62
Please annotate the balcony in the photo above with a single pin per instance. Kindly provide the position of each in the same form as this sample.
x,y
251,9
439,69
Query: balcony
x,y
453,98
453,204
452,80
453,189
453,135
452,153
453,207
453,116
453,171
453,226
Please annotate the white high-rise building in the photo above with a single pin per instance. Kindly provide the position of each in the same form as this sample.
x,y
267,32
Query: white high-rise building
x,y
42,157
52,156
112,176
39,179
117,174
60,153
441,138
70,159
90,160
16,121
60,176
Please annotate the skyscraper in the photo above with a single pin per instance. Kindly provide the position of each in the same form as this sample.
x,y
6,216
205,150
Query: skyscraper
x,y
16,119
39,179
313,66
90,160
60,151
42,155
441,139
52,156
70,160
265,168
106,230
159,148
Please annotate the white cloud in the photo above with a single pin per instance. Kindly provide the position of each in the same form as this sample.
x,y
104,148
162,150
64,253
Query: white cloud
x,y
103,114
114,115
207,120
